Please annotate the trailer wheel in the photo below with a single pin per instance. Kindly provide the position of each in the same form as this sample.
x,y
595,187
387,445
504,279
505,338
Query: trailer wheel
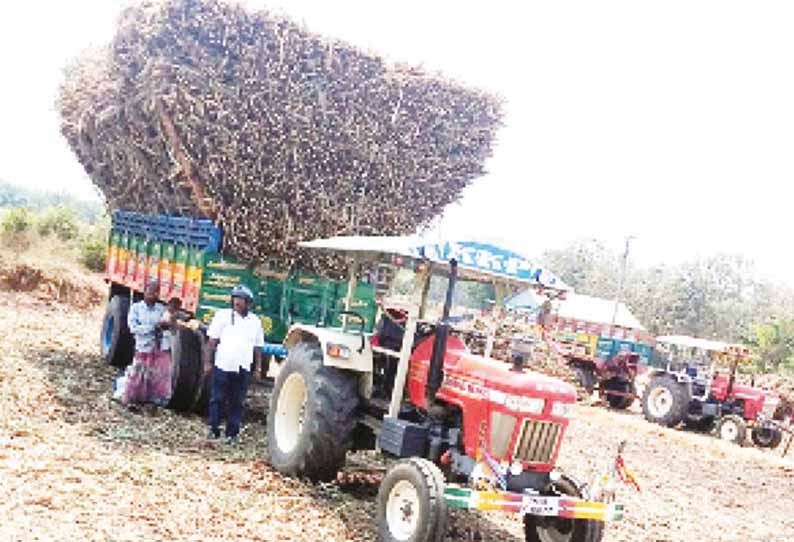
x,y
116,342
665,401
187,369
411,505
311,417
732,428
619,402
551,529
767,436
586,377
201,399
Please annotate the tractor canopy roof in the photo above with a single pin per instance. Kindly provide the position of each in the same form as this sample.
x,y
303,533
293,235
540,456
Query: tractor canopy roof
x,y
721,351
477,260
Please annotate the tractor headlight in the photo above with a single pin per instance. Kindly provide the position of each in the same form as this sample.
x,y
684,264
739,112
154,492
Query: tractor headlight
x,y
502,426
562,410
528,405
338,351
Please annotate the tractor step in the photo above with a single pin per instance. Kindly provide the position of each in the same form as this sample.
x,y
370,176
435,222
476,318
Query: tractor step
x,y
402,438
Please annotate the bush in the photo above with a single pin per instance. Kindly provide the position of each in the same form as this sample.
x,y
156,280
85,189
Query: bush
x,y
93,246
92,253
62,222
17,220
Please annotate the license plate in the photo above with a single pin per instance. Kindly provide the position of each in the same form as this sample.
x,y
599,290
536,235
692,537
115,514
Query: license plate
x,y
540,506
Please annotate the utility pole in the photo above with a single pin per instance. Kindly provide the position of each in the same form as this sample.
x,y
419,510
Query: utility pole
x,y
622,279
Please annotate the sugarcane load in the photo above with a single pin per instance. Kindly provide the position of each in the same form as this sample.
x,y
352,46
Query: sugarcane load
x,y
201,108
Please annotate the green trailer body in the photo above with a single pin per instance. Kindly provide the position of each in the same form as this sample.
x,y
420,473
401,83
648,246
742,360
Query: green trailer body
x,y
202,277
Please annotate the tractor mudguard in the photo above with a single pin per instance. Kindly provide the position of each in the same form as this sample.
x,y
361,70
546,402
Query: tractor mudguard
x,y
357,353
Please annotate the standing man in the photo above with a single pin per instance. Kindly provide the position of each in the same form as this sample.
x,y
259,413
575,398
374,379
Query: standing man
x,y
149,376
235,340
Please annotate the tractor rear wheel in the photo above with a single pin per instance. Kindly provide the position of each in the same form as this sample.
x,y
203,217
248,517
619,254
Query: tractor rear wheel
x,y
552,529
620,402
732,428
311,417
767,436
665,401
410,503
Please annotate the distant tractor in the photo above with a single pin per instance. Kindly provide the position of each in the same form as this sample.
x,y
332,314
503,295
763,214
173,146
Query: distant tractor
x,y
687,386
606,359
466,431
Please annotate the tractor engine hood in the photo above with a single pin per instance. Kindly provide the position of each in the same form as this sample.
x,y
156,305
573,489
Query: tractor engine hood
x,y
741,391
500,376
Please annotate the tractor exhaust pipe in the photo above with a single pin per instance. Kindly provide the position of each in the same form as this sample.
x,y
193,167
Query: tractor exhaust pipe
x,y
435,375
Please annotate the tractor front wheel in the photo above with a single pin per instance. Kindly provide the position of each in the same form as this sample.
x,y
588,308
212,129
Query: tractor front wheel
x,y
767,436
551,529
665,401
311,417
732,428
411,505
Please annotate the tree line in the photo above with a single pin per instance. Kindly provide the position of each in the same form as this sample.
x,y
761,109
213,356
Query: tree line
x,y
12,196
717,297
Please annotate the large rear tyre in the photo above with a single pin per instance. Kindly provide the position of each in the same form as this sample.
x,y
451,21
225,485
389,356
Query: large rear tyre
x,y
311,417
732,428
619,402
187,366
410,503
551,529
767,436
116,342
665,401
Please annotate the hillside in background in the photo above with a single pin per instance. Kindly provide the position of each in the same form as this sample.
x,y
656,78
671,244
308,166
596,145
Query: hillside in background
x,y
12,195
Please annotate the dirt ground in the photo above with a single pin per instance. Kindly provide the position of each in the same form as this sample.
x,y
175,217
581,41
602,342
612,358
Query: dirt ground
x,y
75,465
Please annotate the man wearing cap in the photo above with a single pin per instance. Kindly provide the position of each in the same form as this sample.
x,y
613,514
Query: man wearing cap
x,y
235,341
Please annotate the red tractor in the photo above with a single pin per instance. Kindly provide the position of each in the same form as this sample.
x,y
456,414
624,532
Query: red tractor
x,y
466,431
694,382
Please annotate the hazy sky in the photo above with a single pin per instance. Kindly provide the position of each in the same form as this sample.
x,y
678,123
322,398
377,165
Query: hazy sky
x,y
671,121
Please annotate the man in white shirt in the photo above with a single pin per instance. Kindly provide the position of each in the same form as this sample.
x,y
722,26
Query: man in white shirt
x,y
235,341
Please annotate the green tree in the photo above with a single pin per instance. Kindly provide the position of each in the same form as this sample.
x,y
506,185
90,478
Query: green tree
x,y
774,344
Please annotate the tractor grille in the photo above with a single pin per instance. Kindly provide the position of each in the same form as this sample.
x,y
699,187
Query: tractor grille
x,y
537,441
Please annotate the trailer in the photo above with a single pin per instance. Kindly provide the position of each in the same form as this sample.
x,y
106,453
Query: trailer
x,y
186,256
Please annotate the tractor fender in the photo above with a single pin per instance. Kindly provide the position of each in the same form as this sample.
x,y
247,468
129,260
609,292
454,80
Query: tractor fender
x,y
360,360
681,378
